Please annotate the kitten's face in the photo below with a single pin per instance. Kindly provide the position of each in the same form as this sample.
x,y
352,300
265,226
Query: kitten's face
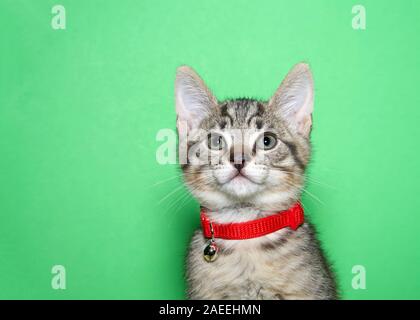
x,y
246,152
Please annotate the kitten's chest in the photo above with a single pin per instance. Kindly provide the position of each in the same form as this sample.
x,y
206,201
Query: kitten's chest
x,y
242,270
241,274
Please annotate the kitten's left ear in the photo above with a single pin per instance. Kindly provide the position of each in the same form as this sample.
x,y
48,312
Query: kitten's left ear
x,y
294,99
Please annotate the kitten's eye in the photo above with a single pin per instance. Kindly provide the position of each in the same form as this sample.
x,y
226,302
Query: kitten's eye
x,y
216,141
267,142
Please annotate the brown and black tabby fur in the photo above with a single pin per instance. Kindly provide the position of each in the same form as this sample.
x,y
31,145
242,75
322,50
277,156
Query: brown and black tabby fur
x,y
286,264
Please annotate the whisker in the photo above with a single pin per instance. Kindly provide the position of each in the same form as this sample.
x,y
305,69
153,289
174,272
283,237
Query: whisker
x,y
306,191
171,193
166,180
308,178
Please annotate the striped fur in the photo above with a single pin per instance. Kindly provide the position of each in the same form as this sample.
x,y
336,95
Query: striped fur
x,y
283,265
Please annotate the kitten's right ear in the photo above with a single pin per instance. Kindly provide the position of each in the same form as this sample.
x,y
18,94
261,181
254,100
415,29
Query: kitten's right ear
x,y
193,99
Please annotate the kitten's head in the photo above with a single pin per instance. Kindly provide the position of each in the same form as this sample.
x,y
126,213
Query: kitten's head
x,y
245,151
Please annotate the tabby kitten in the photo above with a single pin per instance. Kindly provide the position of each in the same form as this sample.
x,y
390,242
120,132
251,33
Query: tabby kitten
x,y
264,177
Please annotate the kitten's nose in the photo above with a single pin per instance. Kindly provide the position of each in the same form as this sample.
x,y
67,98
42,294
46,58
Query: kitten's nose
x,y
238,160
239,166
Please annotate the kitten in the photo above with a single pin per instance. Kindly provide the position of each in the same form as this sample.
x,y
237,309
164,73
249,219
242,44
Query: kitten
x,y
264,178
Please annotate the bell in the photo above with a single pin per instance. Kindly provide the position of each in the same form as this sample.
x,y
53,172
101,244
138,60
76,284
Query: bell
x,y
210,251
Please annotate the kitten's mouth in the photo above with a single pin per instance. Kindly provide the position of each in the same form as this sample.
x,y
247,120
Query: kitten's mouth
x,y
240,177
240,185
238,181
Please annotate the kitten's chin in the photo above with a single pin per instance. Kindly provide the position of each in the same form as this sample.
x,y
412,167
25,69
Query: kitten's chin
x,y
241,187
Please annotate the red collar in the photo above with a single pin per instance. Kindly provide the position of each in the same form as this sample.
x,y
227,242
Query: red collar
x,y
292,218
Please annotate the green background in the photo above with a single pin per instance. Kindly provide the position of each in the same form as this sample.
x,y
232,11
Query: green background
x,y
80,109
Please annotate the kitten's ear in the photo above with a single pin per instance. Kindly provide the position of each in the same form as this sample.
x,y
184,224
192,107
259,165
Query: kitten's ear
x,y
192,98
294,99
